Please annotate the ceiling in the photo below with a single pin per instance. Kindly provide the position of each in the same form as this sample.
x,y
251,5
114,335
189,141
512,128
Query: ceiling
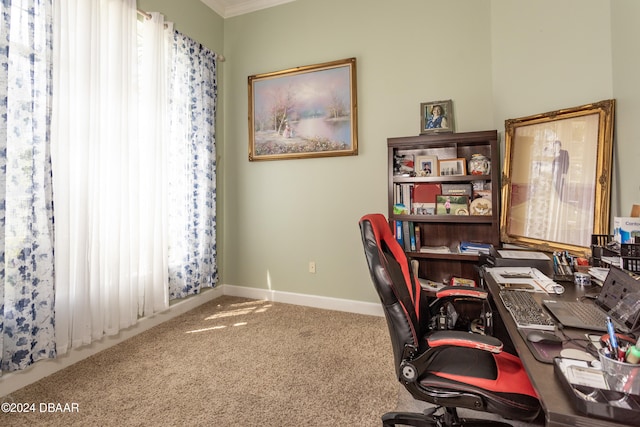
x,y
229,8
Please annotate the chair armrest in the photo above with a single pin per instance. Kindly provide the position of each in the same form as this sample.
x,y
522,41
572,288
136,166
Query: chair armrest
x,y
465,339
412,368
461,291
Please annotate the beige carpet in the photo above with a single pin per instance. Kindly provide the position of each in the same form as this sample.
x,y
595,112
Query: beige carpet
x,y
230,362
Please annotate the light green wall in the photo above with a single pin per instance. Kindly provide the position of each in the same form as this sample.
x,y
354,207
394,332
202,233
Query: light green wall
x,y
496,59
626,70
192,18
287,213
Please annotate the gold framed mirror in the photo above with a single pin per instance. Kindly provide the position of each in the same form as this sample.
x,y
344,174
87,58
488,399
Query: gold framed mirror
x,y
556,183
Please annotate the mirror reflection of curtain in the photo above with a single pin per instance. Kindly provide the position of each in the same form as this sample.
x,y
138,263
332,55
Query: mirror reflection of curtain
x,y
26,209
553,181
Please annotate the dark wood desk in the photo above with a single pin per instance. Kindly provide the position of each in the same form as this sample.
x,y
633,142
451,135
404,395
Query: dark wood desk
x,y
557,406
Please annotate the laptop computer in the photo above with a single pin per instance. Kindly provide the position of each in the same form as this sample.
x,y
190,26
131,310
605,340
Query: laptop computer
x,y
619,299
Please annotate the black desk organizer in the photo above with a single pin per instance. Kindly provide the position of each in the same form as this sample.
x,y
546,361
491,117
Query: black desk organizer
x,y
602,408
629,253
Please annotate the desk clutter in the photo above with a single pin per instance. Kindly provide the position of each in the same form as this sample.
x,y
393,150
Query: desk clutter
x,y
600,372
596,384
598,389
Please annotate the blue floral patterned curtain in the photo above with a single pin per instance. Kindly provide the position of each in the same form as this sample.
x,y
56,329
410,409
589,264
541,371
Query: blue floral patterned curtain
x,y
192,169
26,208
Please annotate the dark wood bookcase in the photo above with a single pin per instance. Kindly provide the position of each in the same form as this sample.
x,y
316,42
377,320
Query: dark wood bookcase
x,y
448,230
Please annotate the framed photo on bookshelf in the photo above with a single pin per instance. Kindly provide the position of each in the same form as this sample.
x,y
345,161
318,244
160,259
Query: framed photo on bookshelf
x,y
308,111
452,205
436,117
426,165
452,167
404,165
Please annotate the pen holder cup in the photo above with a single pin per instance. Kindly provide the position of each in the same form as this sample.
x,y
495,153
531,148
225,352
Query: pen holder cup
x,y
620,376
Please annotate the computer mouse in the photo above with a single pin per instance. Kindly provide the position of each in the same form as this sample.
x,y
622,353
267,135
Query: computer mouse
x,y
543,337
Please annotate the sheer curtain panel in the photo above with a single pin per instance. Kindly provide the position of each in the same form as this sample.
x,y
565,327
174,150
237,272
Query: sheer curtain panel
x,y
192,181
109,232
26,210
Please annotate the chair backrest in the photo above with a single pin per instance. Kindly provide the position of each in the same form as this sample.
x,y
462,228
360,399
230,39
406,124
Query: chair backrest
x,y
397,287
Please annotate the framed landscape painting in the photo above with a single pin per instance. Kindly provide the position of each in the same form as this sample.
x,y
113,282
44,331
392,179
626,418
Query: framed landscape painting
x,y
308,111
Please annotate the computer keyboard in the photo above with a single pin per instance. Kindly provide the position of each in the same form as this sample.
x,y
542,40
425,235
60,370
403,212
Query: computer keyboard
x,y
526,311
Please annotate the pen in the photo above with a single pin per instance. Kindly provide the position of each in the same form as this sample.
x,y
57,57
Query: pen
x,y
613,342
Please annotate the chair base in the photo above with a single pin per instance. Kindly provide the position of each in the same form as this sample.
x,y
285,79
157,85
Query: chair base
x,y
430,418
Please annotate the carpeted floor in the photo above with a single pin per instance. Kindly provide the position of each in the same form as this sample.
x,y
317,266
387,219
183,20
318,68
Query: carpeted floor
x,y
230,362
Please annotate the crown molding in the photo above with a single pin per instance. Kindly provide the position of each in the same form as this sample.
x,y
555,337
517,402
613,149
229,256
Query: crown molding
x,y
228,8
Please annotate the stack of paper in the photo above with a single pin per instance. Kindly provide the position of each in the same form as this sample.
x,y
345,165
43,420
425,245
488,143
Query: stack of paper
x,y
599,273
435,249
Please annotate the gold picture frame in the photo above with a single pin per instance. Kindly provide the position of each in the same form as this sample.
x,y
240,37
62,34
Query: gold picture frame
x,y
308,111
556,185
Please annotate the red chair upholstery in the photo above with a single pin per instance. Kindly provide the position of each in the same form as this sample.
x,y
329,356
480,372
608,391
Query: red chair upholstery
x,y
448,368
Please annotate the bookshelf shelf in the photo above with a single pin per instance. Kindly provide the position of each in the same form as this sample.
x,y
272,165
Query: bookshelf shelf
x,y
431,226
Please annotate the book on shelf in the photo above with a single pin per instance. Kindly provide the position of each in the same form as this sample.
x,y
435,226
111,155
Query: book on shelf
x,y
398,233
418,233
403,195
474,248
426,192
456,189
408,236
412,236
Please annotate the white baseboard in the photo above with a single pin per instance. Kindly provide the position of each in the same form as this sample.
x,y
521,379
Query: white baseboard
x,y
12,381
328,303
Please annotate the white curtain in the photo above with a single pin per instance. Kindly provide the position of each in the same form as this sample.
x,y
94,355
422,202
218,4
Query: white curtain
x,y
110,241
153,139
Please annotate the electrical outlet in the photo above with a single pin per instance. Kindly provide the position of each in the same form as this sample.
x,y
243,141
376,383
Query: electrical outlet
x,y
312,266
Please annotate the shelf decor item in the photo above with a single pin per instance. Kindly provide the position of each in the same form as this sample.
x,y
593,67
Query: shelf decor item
x,y
557,178
436,117
452,167
308,111
479,164
426,166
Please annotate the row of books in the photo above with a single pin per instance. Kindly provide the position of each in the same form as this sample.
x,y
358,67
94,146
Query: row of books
x,y
409,236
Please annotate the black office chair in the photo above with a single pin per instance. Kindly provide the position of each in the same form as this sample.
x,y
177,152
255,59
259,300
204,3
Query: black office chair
x,y
448,368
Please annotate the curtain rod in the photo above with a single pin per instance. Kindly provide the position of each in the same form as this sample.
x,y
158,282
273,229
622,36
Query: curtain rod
x,y
148,16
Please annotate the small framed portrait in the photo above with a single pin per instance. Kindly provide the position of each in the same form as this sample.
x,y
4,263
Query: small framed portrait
x,y
452,205
452,167
436,117
426,165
